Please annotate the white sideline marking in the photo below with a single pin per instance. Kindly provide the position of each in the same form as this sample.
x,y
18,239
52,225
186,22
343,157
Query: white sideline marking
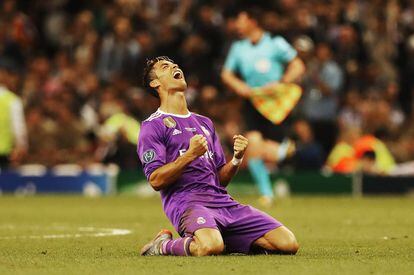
x,y
85,232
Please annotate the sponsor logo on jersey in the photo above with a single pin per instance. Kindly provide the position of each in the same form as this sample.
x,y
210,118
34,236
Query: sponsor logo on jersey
x,y
191,129
207,155
176,132
148,156
206,132
169,122
201,220
262,65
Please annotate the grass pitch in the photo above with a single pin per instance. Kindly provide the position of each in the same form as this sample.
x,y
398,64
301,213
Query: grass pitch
x,y
76,235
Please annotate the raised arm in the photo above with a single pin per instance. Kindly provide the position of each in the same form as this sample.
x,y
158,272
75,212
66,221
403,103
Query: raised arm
x,y
230,169
167,174
294,70
235,84
228,74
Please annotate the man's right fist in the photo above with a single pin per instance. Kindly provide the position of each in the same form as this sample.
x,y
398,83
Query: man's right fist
x,y
198,146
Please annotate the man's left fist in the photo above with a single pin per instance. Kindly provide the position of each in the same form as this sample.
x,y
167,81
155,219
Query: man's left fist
x,y
240,146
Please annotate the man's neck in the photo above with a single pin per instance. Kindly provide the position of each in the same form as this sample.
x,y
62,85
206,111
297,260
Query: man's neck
x,y
256,35
174,104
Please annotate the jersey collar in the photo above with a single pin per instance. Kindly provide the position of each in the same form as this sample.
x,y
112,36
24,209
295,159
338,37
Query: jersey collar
x,y
176,115
265,36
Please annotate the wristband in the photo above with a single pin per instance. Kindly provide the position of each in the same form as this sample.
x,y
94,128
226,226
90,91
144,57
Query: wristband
x,y
236,162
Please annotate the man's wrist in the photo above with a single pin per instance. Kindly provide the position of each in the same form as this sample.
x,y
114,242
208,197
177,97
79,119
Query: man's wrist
x,y
188,157
236,161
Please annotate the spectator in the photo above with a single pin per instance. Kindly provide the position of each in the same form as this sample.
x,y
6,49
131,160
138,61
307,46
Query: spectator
x,y
76,59
309,153
119,50
322,84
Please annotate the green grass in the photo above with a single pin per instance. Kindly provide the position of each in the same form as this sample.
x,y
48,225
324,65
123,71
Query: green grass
x,y
338,235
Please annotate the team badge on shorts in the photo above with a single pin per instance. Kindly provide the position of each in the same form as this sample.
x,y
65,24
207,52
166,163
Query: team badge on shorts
x,y
148,156
201,220
169,122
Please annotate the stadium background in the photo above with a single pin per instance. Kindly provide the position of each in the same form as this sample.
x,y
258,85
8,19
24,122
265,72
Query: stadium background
x,y
76,63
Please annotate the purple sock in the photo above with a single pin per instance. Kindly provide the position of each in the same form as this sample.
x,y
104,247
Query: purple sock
x,y
177,247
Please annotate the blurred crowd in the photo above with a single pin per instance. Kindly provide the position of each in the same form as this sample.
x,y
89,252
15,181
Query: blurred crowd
x,y
76,64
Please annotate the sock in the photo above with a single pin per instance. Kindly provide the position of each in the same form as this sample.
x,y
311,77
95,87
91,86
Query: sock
x,y
177,247
261,176
282,150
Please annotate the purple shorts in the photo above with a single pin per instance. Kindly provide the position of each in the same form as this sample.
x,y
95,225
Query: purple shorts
x,y
240,225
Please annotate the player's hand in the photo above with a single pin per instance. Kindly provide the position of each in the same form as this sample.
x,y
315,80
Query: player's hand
x,y
240,146
198,146
245,91
270,87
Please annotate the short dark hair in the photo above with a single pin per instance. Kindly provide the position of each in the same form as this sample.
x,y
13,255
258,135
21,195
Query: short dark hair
x,y
149,75
254,12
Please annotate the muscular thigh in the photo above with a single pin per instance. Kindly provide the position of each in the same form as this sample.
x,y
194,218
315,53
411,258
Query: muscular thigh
x,y
196,218
245,225
279,239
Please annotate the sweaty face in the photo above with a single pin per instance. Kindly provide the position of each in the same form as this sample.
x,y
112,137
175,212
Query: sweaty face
x,y
170,76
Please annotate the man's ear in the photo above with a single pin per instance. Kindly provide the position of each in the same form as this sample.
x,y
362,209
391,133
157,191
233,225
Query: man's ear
x,y
155,84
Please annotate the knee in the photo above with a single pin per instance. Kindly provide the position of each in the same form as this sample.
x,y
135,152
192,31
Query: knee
x,y
255,138
255,149
289,245
213,247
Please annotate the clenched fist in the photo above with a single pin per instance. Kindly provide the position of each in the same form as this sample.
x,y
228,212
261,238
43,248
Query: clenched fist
x,y
198,146
240,146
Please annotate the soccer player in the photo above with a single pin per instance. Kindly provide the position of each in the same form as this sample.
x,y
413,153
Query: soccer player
x,y
261,61
183,159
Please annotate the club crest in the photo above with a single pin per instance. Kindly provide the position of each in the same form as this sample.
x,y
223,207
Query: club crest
x,y
169,122
201,220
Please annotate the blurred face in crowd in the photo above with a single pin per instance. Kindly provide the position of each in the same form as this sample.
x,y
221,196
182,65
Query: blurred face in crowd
x,y
122,27
245,24
368,163
304,46
145,40
9,6
9,80
34,117
323,52
303,130
169,77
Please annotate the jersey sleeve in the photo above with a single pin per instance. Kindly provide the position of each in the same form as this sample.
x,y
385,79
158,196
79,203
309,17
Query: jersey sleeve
x,y
151,148
219,156
232,62
284,51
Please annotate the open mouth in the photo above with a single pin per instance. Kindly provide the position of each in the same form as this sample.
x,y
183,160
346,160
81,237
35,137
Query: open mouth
x,y
178,75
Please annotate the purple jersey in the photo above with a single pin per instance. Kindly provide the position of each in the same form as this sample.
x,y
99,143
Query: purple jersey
x,y
163,138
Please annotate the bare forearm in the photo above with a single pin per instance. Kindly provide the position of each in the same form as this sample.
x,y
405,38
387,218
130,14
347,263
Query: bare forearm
x,y
235,84
170,172
294,71
227,172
